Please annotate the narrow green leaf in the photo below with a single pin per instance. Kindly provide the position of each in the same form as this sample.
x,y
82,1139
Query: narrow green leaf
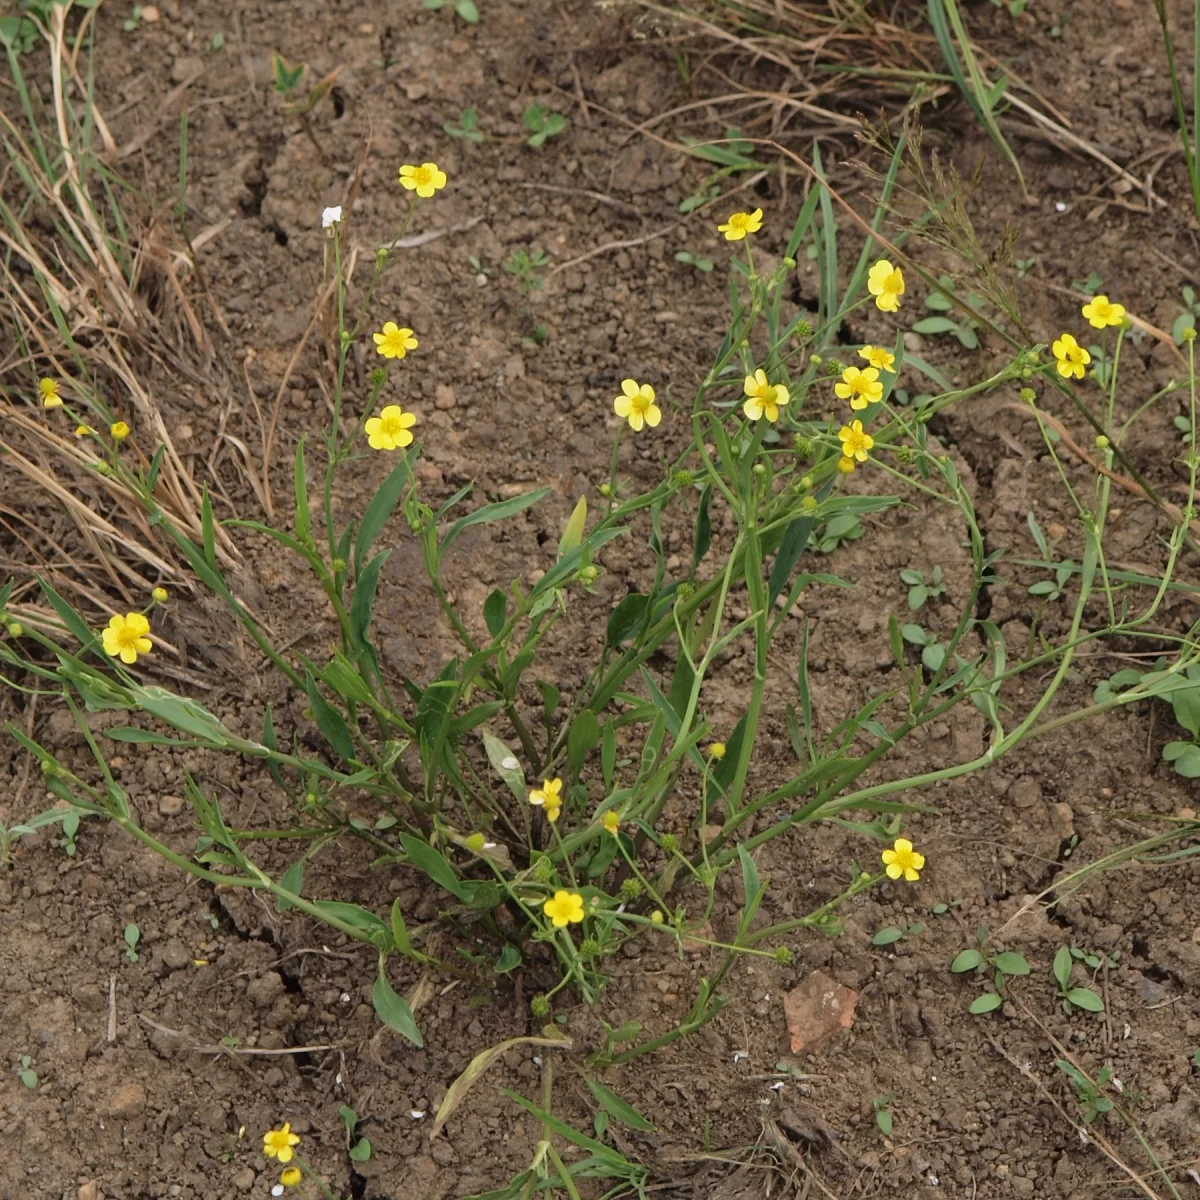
x,y
300,488
499,511
68,615
617,1108
329,720
292,881
1062,965
702,540
378,512
208,530
582,739
626,619
495,611
362,604
572,533
425,858
394,1010
608,753
794,540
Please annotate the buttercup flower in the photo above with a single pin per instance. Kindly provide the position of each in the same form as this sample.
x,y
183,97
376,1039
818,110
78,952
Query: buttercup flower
x,y
740,224
119,431
859,387
611,821
902,859
125,637
636,405
878,357
855,444
1070,357
160,595
564,908
717,751
394,342
278,1143
331,216
762,398
886,284
291,1177
1100,312
48,390
549,795
390,430
424,180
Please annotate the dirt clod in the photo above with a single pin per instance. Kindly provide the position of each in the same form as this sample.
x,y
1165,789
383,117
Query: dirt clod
x,y
817,1011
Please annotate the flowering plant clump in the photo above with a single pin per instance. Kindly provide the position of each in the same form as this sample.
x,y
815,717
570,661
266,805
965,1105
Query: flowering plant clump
x,y
279,1143
1100,312
48,390
522,798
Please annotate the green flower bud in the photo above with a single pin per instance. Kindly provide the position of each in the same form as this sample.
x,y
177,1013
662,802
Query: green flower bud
x,y
685,590
378,377
49,767
606,489
789,262
1101,442
15,629
540,1007
834,366
906,454
631,889
656,917
815,359
382,255
589,948
307,713
759,468
1189,334
803,447
588,575
670,843
681,479
1027,373
1028,396
476,842
783,955
809,504
543,870
339,565
803,329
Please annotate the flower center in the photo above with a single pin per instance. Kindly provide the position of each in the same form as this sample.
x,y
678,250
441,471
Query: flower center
x,y
423,176
639,403
391,426
768,396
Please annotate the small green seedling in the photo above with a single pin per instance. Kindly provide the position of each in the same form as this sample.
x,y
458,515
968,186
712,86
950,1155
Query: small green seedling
x,y
287,77
542,124
134,19
1051,589
932,651
1102,365
890,934
1005,964
918,590
1185,704
701,264
216,42
133,935
839,529
477,265
465,9
358,1148
526,267
467,127
1073,997
883,1114
1089,1093
1090,958
944,906
70,827
702,195
1024,266
1186,319
25,1072
963,327
1184,425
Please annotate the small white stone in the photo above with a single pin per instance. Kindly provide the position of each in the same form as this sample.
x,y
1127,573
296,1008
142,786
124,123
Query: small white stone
x,y
509,763
345,997
277,1190
417,1114
1059,206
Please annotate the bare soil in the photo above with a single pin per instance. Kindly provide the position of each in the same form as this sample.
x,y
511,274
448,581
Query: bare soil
x,y
136,1096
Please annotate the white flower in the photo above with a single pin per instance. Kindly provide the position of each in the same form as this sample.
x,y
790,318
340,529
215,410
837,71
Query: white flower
x,y
331,216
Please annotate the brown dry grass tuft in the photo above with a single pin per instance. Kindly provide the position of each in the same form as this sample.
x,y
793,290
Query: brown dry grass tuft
x,y
90,295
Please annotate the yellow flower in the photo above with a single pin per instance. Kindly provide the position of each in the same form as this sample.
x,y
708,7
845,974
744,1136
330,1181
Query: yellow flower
x,y
549,794
84,431
902,859
553,812
1100,311
717,751
611,821
845,465
424,180
119,431
855,443
291,1177
740,224
878,357
160,595
859,387
48,390
125,637
656,916
636,405
1071,357
278,1143
394,342
762,398
886,284
390,430
564,908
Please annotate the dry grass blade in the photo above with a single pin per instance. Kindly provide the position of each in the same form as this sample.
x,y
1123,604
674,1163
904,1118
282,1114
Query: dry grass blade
x,y
75,255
